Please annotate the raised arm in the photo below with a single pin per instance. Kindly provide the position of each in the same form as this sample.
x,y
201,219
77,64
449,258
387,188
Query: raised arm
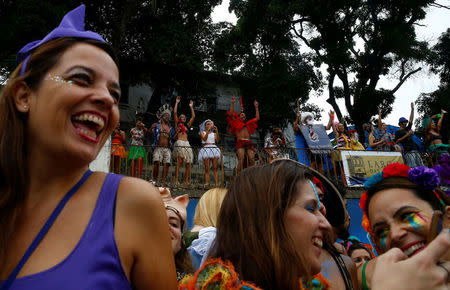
x,y
379,119
175,111
411,115
256,104
233,100
330,120
297,123
439,124
191,105
335,131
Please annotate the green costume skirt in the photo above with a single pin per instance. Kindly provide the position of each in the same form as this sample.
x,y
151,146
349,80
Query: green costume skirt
x,y
137,152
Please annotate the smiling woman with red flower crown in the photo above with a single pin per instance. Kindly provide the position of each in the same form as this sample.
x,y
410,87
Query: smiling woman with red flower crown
x,y
398,210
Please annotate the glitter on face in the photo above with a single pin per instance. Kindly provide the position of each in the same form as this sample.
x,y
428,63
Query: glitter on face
x,y
57,78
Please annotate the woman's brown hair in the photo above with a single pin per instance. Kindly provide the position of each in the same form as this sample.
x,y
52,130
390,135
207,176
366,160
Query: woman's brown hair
x,y
251,230
13,140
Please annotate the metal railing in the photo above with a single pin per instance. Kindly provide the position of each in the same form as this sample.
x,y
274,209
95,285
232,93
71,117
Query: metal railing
x,y
327,162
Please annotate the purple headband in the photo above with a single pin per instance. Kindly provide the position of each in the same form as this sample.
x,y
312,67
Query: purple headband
x,y
72,25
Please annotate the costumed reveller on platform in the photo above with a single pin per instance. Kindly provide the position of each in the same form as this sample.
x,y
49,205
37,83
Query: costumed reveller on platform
x,y
354,141
398,209
273,144
243,129
403,136
177,216
162,134
137,152
118,152
387,137
63,226
374,143
341,136
433,136
182,149
210,154
307,119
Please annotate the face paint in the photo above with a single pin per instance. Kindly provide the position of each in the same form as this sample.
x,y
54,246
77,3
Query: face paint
x,y
382,237
57,78
415,220
317,196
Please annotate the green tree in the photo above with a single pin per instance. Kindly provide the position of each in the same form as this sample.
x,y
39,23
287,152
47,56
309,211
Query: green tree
x,y
432,103
260,52
360,41
164,43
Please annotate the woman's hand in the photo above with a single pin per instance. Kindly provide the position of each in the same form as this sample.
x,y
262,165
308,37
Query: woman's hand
x,y
191,103
178,99
394,270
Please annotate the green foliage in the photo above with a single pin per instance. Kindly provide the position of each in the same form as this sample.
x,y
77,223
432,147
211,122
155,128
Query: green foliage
x,y
432,103
260,51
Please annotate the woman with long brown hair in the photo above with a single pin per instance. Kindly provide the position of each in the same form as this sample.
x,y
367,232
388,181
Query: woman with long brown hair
x,y
270,229
61,225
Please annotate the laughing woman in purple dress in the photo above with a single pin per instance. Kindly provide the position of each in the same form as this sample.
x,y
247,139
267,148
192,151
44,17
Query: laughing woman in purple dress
x,y
61,225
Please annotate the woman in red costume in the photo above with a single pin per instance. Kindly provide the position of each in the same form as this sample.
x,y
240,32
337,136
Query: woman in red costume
x,y
243,129
117,150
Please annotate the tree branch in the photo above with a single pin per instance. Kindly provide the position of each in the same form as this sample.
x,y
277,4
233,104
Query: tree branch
x,y
300,35
440,6
402,80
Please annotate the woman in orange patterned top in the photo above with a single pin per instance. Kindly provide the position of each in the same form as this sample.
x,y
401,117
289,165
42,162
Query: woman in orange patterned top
x,y
117,150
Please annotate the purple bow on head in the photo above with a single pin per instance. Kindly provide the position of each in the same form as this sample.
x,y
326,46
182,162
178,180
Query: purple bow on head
x,y
72,25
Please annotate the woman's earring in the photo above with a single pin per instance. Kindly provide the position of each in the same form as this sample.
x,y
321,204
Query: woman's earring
x,y
25,107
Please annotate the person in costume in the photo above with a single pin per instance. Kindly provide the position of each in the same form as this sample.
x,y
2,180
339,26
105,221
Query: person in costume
x,y
118,152
359,254
269,233
210,154
306,119
403,136
137,153
69,227
354,140
162,134
182,149
273,144
387,137
433,136
243,129
176,215
341,136
398,207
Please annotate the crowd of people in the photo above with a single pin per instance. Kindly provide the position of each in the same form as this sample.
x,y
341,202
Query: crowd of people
x,y
63,226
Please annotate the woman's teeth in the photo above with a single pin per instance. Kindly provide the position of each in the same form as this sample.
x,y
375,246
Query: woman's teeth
x,y
317,242
88,132
92,118
411,250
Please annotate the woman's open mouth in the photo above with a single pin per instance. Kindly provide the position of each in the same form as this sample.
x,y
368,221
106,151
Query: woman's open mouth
x,y
413,248
89,125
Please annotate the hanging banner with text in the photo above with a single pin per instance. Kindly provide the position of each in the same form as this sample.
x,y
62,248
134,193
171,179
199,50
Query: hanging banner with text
x,y
360,165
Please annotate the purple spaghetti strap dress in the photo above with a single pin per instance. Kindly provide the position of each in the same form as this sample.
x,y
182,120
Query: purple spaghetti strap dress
x,y
94,263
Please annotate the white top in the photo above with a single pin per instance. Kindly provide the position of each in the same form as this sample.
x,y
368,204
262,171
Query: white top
x,y
211,138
